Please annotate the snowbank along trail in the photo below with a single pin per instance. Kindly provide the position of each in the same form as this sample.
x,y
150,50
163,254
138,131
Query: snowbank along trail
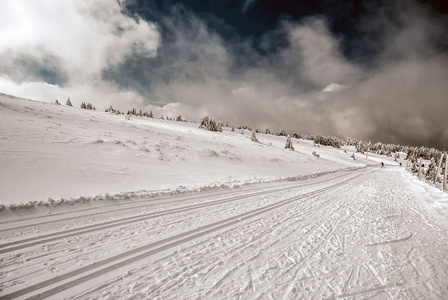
x,y
351,234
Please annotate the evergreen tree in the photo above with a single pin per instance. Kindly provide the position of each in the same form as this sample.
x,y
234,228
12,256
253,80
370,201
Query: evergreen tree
x,y
68,103
210,124
253,137
431,171
289,144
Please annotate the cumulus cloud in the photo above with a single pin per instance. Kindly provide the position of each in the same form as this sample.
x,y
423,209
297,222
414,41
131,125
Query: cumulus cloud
x,y
398,96
395,92
61,48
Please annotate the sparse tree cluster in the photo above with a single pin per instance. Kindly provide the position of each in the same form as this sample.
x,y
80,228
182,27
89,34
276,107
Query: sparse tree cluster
x,y
328,141
210,124
132,112
112,110
282,133
88,106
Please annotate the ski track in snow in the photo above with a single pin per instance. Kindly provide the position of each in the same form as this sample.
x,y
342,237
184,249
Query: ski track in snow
x,y
361,234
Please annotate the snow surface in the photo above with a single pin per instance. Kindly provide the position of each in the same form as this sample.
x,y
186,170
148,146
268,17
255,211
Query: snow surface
x,y
55,151
304,228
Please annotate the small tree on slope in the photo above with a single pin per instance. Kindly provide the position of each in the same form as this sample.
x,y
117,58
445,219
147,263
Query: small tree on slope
x,y
253,137
288,144
431,171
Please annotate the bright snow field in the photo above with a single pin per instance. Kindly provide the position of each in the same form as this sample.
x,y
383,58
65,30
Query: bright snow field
x,y
350,232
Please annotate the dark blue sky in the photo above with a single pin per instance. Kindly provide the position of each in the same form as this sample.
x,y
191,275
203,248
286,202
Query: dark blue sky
x,y
213,50
250,20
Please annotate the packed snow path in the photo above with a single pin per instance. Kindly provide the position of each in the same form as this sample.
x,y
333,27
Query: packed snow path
x,y
352,234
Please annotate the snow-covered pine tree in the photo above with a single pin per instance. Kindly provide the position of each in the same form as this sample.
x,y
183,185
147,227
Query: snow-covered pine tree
x,y
253,137
210,124
445,173
439,164
431,171
289,144
57,102
150,114
68,103
111,109
282,133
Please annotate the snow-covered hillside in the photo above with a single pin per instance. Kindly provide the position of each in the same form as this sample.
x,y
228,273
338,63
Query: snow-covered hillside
x,y
56,151
184,213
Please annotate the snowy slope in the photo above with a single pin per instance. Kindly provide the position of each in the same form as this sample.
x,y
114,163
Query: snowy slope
x,y
336,228
51,151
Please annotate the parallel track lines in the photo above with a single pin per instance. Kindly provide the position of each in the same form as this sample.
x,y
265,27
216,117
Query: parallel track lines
x,y
100,268
29,242
153,202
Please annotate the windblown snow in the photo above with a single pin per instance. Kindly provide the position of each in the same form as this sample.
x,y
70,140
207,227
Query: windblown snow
x,y
155,209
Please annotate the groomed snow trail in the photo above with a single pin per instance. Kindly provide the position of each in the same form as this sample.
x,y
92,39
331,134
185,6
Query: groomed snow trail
x,y
363,234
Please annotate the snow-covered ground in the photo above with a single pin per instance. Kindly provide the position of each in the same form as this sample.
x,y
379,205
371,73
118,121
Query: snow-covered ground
x,y
360,234
52,151
352,230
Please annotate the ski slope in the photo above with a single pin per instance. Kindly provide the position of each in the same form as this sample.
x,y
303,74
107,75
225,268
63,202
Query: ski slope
x,y
360,234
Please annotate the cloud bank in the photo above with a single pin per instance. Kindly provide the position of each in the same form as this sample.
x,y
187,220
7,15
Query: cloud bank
x,y
394,85
57,49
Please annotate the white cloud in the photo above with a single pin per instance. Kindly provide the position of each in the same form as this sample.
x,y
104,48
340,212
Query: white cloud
x,y
318,55
82,38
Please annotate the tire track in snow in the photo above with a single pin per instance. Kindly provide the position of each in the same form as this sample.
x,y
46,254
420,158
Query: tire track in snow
x,y
54,217
105,266
323,233
214,273
33,241
310,212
